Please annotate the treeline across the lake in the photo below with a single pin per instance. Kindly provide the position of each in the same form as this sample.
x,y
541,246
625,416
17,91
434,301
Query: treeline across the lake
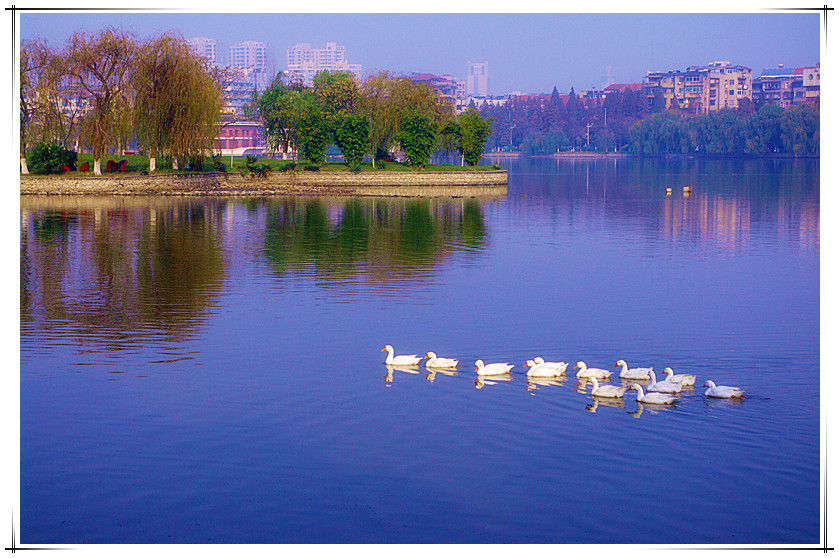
x,y
624,122
771,129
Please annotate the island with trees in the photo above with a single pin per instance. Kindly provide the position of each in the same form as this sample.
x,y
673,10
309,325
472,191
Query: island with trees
x,y
103,91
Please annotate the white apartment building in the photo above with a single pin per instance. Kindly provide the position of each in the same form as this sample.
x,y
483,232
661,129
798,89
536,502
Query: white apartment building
x,y
248,54
304,62
476,78
204,47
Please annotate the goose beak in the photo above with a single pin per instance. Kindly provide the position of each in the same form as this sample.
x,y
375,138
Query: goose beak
x,y
383,350
576,366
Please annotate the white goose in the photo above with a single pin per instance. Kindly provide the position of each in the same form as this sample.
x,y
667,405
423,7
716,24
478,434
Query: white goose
x,y
652,398
492,369
633,373
684,379
400,360
663,386
438,362
586,372
605,391
540,368
722,392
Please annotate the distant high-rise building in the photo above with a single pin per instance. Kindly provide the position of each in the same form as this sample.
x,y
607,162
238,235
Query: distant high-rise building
x,y
304,62
204,47
476,78
248,54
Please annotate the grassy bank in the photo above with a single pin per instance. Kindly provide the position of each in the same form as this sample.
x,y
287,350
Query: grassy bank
x,y
137,164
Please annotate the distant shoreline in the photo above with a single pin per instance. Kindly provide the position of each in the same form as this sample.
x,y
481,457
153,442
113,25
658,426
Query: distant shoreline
x,y
379,183
596,155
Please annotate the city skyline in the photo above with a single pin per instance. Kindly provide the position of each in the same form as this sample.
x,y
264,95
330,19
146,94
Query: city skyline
x,y
527,53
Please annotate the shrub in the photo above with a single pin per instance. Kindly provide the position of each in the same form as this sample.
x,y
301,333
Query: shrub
x,y
288,166
254,167
313,168
218,164
196,163
48,158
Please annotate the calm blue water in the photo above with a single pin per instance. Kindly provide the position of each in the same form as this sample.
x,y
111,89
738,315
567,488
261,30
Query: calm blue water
x,y
210,370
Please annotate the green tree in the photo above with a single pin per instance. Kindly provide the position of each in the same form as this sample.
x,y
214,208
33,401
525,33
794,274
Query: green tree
x,y
800,130
352,136
388,101
279,111
470,131
339,95
659,102
417,137
312,132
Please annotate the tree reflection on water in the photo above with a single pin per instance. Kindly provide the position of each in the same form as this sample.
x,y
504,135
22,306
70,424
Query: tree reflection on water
x,y
120,269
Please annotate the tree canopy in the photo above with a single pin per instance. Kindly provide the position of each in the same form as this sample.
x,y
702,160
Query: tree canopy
x,y
107,88
381,115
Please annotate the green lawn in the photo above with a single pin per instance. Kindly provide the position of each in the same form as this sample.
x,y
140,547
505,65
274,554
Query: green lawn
x,y
138,163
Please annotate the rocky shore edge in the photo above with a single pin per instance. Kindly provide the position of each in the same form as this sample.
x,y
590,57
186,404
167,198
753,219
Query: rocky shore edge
x,y
379,183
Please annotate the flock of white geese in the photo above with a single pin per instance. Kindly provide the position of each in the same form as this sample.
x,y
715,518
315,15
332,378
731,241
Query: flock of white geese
x,y
659,392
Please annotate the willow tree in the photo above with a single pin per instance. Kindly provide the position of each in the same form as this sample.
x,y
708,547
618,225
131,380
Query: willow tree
x,y
377,104
389,101
35,62
177,100
100,64
192,127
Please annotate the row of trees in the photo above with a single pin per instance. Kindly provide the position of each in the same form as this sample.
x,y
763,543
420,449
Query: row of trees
x,y
541,125
624,121
771,129
102,90
377,117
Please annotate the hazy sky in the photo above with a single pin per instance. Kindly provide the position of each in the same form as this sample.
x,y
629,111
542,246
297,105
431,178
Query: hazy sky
x,y
530,53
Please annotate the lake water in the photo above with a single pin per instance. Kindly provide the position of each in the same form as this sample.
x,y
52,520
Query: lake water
x,y
211,370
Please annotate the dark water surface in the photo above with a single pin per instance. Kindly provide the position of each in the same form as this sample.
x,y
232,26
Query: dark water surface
x,y
210,370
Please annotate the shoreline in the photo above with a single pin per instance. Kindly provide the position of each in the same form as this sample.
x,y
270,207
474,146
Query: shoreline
x,y
379,183
619,155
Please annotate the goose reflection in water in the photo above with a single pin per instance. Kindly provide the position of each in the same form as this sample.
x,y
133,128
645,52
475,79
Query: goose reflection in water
x,y
482,381
607,402
390,369
653,408
534,383
432,373
713,402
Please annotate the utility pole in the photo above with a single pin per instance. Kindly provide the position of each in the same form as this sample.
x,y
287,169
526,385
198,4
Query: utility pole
x,y
588,128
